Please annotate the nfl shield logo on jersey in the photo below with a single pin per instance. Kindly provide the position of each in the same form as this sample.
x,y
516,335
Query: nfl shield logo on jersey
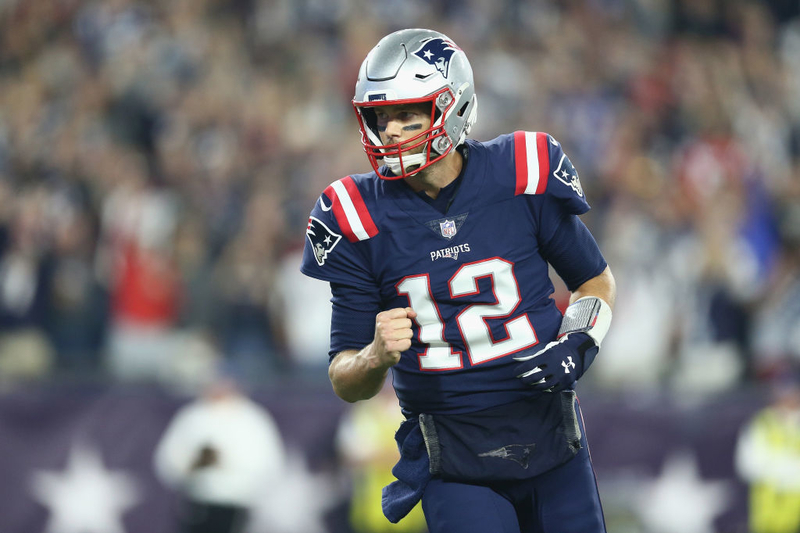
x,y
448,228
322,239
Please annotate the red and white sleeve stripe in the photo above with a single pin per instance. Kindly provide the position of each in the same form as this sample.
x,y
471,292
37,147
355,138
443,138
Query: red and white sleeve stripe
x,y
532,161
350,210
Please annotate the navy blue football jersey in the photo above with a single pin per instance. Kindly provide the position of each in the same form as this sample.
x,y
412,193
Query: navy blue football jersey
x,y
476,276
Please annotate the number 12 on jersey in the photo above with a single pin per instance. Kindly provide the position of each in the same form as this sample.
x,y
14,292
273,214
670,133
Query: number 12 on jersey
x,y
481,346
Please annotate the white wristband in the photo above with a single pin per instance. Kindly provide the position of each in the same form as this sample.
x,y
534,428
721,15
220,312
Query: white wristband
x,y
590,315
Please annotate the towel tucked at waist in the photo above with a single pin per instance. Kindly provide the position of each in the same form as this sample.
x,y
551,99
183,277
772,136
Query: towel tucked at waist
x,y
412,472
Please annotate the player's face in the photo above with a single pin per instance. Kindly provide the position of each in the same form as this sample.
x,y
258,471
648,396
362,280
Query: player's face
x,y
398,123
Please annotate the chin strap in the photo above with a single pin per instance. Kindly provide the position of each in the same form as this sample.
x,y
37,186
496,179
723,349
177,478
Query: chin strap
x,y
590,315
408,161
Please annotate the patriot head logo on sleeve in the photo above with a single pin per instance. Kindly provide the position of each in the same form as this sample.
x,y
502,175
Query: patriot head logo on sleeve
x,y
437,52
322,239
567,175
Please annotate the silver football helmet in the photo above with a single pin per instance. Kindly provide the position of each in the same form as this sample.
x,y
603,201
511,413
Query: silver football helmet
x,y
408,67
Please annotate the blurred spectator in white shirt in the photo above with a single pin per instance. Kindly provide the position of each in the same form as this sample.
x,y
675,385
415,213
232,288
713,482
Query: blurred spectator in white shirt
x,y
218,452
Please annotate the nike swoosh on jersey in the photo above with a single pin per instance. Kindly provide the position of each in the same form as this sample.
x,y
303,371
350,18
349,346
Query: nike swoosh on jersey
x,y
323,206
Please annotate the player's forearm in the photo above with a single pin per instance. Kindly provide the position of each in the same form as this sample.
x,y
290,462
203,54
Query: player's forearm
x,y
357,375
602,286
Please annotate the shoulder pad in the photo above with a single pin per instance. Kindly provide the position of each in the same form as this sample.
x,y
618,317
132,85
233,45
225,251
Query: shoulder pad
x,y
543,169
532,161
349,209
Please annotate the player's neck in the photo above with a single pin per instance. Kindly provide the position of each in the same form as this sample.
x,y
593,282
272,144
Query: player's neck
x,y
437,176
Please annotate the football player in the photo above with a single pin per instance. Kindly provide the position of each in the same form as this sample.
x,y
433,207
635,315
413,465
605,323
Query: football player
x,y
438,267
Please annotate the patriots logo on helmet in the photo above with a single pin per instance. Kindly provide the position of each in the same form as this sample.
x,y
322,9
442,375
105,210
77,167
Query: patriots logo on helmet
x,y
322,239
437,52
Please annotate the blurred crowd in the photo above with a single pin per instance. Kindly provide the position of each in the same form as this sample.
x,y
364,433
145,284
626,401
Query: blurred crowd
x,y
158,161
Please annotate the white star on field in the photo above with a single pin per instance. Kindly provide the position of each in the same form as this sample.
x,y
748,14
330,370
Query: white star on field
x,y
84,497
427,54
679,501
299,503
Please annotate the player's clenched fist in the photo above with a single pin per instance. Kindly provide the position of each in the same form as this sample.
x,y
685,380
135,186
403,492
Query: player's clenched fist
x,y
393,335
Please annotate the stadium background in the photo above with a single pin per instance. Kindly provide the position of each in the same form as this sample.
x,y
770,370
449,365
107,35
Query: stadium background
x,y
158,161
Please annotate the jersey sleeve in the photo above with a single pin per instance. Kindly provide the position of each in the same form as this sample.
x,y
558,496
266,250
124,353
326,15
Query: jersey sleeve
x,y
544,172
336,238
546,175
352,318
573,253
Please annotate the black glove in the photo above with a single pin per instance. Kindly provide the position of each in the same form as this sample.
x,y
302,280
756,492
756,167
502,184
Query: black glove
x,y
559,365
